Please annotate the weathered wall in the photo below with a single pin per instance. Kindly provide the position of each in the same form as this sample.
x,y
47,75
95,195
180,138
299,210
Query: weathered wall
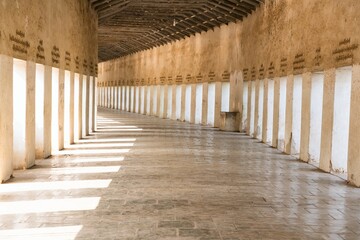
x,y
52,32
280,38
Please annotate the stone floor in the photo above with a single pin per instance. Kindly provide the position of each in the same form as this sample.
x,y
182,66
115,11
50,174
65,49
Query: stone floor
x,y
140,177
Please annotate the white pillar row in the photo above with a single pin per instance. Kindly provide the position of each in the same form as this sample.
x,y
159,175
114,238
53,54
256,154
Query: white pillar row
x,y
140,99
55,110
108,97
259,127
198,102
256,114
244,107
102,103
211,104
132,99
276,98
80,106
99,96
100,93
169,101
145,101
204,110
157,93
76,107
23,114
265,112
30,115
39,111
316,105
305,117
103,97
252,109
91,101
123,105
72,107
164,101
150,100
111,103
193,103
327,120
288,113
134,107
135,99
88,106
239,93
282,113
47,111
218,92
84,106
296,116
173,102
115,96
94,104
61,104
233,98
354,129
183,102
67,77
188,96
119,97
6,117
340,137
248,117
270,111
128,98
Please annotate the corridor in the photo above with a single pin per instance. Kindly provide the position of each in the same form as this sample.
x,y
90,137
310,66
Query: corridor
x,y
141,177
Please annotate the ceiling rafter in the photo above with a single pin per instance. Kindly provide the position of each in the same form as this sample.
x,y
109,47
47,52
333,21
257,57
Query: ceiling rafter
x,y
130,26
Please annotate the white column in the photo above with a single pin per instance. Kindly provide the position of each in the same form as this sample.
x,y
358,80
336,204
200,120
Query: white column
x,y
80,107
354,130
183,102
47,110
94,104
72,105
289,113
88,106
217,104
305,117
173,102
30,115
265,111
276,112
6,119
204,109
61,103
327,120
240,91
256,114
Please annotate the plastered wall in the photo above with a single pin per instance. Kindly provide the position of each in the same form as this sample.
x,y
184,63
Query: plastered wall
x,y
280,38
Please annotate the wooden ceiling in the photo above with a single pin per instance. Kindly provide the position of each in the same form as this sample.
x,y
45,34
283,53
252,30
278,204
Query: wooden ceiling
x,y
130,26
